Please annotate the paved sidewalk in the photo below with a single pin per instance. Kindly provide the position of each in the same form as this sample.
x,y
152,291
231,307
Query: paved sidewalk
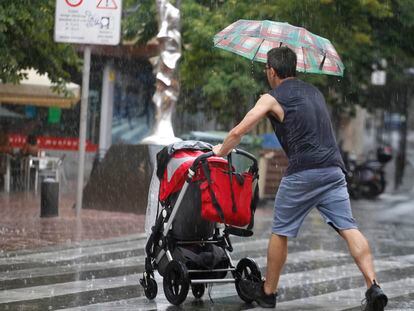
x,y
22,228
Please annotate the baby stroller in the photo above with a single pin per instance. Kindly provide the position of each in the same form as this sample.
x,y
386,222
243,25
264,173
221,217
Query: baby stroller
x,y
201,201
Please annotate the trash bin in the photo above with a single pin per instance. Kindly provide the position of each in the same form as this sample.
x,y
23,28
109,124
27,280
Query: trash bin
x,y
49,198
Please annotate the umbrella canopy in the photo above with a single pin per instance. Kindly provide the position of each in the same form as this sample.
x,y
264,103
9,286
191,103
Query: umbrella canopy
x,y
253,39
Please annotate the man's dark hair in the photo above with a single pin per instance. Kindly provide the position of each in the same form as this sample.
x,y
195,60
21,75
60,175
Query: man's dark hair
x,y
283,61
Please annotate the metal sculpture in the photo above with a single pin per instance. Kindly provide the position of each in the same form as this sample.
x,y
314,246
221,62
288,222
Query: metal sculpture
x,y
167,85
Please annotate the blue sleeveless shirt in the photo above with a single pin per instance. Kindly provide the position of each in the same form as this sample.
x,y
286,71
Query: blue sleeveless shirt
x,y
306,133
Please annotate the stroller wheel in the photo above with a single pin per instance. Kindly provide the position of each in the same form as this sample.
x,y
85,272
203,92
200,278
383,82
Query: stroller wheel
x,y
198,290
248,269
151,289
176,282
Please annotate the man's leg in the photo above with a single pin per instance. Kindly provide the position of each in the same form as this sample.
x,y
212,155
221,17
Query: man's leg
x,y
335,207
358,246
361,252
293,202
276,258
264,293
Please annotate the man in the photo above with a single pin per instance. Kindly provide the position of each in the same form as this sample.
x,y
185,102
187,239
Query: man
x,y
30,148
314,177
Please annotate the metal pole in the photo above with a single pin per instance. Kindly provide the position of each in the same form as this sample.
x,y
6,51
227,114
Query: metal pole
x,y
7,178
82,125
107,102
400,160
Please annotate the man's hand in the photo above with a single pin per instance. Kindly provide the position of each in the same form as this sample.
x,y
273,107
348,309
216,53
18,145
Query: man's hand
x,y
217,150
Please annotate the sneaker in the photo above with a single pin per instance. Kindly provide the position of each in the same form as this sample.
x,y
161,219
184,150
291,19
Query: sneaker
x,y
254,291
375,298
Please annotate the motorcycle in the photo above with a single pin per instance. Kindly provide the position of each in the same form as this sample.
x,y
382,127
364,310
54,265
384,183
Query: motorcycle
x,y
367,180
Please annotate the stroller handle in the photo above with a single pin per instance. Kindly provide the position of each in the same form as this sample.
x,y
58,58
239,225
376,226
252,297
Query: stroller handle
x,y
201,158
236,151
247,155
254,168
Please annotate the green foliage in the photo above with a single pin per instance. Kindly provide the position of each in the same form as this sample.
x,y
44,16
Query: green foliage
x,y
221,84
139,21
363,31
26,41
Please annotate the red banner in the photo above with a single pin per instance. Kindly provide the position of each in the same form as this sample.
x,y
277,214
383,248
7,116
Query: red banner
x,y
52,143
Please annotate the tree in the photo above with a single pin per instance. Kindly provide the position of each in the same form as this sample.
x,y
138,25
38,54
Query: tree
x,y
139,22
218,83
224,85
26,41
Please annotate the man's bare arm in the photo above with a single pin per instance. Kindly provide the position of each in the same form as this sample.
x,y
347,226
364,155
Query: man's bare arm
x,y
265,105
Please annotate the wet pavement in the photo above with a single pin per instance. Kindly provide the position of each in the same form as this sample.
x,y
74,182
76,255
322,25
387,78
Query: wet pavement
x,y
22,228
319,275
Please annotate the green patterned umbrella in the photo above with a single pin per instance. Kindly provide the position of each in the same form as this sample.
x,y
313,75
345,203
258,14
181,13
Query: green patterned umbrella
x,y
253,39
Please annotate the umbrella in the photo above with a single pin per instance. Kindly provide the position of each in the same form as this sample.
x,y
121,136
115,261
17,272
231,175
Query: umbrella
x,y
253,39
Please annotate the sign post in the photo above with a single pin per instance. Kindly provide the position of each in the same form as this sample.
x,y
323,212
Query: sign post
x,y
82,126
87,22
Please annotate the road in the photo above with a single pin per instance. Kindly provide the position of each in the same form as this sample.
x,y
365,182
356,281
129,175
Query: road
x,y
319,275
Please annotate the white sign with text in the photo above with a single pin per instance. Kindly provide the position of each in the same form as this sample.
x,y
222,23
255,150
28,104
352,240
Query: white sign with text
x,y
88,21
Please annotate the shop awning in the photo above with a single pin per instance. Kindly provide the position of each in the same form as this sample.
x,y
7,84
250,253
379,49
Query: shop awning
x,y
37,90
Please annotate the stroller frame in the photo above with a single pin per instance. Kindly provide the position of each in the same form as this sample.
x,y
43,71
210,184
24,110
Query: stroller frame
x,y
159,238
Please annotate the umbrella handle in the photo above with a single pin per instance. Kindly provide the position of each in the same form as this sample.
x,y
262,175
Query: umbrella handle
x,y
323,61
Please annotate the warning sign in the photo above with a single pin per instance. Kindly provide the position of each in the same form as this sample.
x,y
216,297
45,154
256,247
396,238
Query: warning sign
x,y
107,4
88,22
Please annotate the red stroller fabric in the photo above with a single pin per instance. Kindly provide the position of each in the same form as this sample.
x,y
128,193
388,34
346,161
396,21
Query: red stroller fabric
x,y
216,195
177,170
217,202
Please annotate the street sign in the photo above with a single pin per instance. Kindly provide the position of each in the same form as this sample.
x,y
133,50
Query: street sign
x,y
88,21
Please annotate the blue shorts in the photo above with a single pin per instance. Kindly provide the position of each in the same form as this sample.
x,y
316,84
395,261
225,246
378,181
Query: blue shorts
x,y
299,193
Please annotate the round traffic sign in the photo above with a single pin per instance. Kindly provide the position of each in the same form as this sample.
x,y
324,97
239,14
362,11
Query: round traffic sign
x,y
74,3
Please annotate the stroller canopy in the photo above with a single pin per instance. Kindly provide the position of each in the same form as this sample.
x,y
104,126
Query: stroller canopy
x,y
173,162
164,156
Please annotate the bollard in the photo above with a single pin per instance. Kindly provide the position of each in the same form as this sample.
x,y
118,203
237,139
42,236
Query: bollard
x,y
49,198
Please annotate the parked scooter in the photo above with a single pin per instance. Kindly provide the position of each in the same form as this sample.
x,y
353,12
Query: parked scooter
x,y
367,180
